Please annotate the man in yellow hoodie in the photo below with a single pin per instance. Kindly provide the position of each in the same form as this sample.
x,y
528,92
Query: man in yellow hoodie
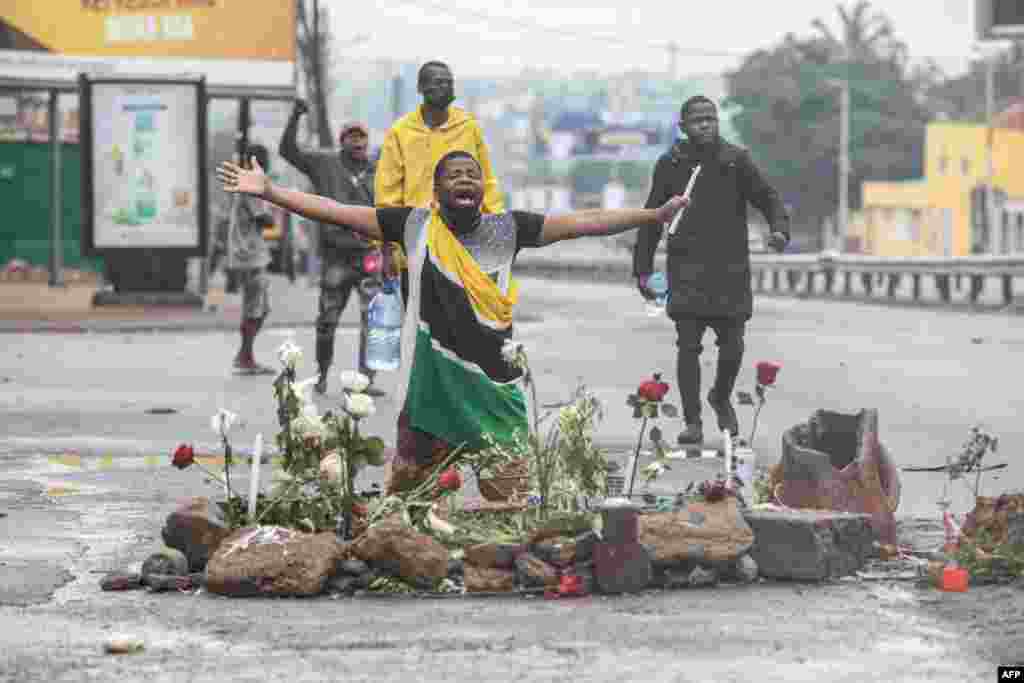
x,y
417,141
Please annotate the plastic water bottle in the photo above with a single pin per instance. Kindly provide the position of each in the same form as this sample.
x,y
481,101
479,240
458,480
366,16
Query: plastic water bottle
x,y
384,328
658,284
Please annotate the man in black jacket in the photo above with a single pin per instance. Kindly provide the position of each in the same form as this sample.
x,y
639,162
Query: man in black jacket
x,y
347,178
708,256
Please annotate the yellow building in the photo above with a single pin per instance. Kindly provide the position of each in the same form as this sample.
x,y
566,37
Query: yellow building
x,y
943,214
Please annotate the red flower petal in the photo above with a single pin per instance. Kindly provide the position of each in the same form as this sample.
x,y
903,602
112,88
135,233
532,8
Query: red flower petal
x,y
766,372
183,456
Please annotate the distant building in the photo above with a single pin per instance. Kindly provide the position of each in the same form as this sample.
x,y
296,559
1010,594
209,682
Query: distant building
x,y
943,214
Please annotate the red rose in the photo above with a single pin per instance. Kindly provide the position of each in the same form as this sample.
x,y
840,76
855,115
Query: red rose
x,y
450,480
766,372
183,456
653,389
360,510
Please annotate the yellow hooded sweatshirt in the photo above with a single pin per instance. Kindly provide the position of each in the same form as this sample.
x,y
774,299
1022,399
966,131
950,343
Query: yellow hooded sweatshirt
x,y
411,150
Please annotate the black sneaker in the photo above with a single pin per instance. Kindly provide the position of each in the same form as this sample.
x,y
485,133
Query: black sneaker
x,y
725,413
693,435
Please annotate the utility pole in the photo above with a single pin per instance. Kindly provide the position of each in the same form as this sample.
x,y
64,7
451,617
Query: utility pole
x,y
995,233
844,159
56,195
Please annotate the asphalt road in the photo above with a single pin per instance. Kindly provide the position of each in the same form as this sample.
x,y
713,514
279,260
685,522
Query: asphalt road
x,y
85,484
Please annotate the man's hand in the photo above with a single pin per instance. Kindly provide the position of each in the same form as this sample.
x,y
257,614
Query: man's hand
x,y
237,179
667,211
301,107
645,291
777,241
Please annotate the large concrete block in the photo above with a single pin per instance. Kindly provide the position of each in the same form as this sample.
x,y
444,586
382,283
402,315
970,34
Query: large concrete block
x,y
809,545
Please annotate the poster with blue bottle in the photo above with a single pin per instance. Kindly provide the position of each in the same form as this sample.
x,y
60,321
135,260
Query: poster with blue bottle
x,y
145,165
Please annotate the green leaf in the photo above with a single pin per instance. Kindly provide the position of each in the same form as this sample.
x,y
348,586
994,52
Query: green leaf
x,y
638,412
651,410
669,410
374,451
633,400
655,434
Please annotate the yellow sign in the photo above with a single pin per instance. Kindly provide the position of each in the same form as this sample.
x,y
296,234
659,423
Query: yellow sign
x,y
189,29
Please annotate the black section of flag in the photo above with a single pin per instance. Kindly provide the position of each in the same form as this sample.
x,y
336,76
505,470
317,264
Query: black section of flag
x,y
13,39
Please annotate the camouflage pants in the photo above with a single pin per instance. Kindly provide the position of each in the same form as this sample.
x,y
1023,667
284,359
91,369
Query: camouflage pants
x,y
255,292
336,285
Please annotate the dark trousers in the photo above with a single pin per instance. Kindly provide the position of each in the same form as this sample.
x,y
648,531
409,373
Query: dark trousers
x,y
729,339
336,286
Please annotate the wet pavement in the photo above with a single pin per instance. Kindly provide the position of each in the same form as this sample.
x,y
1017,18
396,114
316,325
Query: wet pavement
x,y
89,421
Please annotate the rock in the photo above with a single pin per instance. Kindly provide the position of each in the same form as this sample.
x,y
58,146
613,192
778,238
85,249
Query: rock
x,y
702,576
585,572
494,555
712,532
270,560
622,567
993,516
560,554
836,462
123,645
196,529
166,562
810,545
741,570
158,583
585,543
352,567
121,581
1015,528
416,555
489,580
534,572
349,584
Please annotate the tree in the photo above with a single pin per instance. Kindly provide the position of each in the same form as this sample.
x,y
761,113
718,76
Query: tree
x,y
788,101
314,40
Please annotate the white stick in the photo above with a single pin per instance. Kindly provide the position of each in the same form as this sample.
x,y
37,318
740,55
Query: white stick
x,y
686,193
254,481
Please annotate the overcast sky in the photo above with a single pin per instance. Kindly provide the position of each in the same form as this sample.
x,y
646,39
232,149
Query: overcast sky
x,y
499,38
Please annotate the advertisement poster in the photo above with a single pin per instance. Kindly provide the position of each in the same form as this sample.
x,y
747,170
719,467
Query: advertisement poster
x,y
145,152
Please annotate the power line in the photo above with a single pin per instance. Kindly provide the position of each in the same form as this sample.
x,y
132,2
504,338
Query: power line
x,y
566,33
674,49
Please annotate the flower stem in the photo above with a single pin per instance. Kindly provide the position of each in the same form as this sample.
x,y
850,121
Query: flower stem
x,y
636,457
227,465
753,428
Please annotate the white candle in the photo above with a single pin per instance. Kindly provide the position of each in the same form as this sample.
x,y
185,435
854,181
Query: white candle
x,y
686,193
254,480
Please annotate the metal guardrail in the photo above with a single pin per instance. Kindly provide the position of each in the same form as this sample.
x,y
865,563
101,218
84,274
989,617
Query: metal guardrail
x,y
819,274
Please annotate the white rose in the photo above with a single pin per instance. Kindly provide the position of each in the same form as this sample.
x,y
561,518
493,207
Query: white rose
x,y
289,354
223,421
355,382
359,405
511,350
654,470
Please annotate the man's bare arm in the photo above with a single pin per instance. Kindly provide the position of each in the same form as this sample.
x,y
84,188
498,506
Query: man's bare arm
x,y
361,219
598,222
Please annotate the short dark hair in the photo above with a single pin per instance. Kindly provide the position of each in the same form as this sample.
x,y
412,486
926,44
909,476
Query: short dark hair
x,y
261,154
688,104
431,64
457,154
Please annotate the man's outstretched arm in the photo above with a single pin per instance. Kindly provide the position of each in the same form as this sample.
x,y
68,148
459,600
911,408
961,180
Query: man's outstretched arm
x,y
362,219
289,146
598,222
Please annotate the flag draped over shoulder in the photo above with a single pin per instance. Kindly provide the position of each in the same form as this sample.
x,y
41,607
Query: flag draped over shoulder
x,y
460,387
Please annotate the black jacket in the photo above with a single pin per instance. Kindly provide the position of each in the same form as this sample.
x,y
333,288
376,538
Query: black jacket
x,y
332,178
708,256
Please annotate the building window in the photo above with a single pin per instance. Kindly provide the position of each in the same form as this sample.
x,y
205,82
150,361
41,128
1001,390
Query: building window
x,y
1020,231
965,166
915,225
